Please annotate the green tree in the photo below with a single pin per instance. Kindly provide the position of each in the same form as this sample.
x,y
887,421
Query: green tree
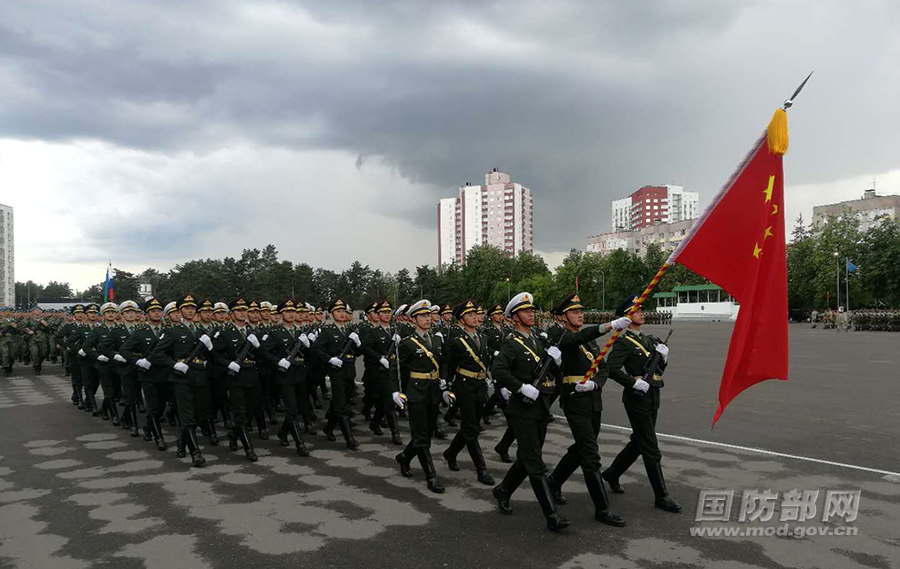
x,y
56,289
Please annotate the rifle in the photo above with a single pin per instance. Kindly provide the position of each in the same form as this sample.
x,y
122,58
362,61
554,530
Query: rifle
x,y
149,351
651,366
195,351
540,373
241,356
292,352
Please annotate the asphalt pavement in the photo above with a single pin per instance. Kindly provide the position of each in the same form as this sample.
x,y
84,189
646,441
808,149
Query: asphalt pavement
x,y
76,492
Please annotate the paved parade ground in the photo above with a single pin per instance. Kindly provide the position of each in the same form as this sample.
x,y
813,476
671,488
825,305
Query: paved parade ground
x,y
76,492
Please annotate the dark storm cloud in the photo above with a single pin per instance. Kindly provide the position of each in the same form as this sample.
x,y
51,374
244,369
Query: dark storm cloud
x,y
581,101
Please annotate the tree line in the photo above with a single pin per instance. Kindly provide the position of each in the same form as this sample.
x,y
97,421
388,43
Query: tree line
x,y
490,275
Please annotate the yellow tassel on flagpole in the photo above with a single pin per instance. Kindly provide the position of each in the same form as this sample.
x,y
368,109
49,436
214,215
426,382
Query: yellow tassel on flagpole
x,y
777,133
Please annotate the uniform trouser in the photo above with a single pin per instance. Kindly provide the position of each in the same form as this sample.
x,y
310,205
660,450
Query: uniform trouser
x,y
131,388
642,411
218,385
294,397
340,393
381,393
194,403
530,434
89,376
469,398
155,396
270,389
38,348
584,452
421,416
241,397
109,377
6,353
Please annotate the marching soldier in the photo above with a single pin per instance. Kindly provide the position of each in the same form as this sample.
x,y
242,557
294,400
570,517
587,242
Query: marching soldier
x,y
260,410
468,359
136,350
528,410
421,365
368,367
582,404
379,349
70,330
333,346
217,374
627,366
235,349
494,332
95,354
128,387
183,351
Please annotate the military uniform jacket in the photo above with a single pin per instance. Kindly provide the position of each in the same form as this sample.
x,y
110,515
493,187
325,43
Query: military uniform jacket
x,y
494,337
139,345
422,365
629,357
77,335
577,357
468,362
519,360
227,342
277,344
62,334
328,344
174,346
101,341
376,341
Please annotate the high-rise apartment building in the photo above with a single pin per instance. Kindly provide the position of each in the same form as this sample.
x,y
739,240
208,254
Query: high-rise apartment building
x,y
654,204
871,210
7,257
499,213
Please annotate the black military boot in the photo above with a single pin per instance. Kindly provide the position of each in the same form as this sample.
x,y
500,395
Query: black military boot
x,y
431,477
452,451
213,435
37,369
76,397
298,441
247,444
189,436
481,470
541,487
597,490
157,434
344,422
232,439
504,491
567,465
134,429
91,406
621,463
114,413
170,414
329,430
404,459
180,445
395,429
283,434
658,483
105,409
502,447
375,427
450,416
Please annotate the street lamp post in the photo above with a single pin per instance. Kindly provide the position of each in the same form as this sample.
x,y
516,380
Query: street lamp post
x,y
603,289
837,272
507,290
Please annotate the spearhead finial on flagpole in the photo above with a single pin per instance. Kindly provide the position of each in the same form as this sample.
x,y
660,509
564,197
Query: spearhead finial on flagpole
x,y
790,101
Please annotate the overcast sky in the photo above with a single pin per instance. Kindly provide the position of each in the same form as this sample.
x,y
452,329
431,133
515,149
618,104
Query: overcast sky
x,y
151,133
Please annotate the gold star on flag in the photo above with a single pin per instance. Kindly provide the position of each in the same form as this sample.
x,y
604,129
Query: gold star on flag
x,y
768,233
757,251
768,190
774,209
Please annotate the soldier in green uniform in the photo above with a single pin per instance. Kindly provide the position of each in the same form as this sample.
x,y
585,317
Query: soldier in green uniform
x,y
183,350
582,404
334,345
9,331
62,337
284,347
127,388
468,358
98,350
153,380
494,332
379,345
627,366
38,332
259,404
204,323
217,373
371,320
421,365
235,348
528,410
74,341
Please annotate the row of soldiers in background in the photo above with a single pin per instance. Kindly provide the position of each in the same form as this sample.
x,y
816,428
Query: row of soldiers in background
x,y
212,359
651,318
28,338
864,320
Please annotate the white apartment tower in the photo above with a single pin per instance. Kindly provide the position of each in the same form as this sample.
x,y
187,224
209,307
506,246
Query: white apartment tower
x,y
651,205
7,258
499,213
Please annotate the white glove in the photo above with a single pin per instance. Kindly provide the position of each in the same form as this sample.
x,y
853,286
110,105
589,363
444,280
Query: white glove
x,y
312,336
505,393
588,385
252,339
544,335
206,342
283,363
497,353
620,323
143,363
181,367
81,353
119,358
304,339
448,397
396,338
336,362
439,335
235,367
355,337
529,391
641,385
554,353
385,363
102,358
663,351
398,400
443,384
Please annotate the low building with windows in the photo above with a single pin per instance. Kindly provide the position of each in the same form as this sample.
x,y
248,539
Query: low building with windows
x,y
706,303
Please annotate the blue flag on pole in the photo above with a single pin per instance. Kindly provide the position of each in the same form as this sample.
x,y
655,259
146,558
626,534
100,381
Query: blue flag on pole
x,y
850,266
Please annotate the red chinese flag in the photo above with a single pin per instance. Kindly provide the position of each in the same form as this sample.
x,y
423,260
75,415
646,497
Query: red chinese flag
x,y
739,244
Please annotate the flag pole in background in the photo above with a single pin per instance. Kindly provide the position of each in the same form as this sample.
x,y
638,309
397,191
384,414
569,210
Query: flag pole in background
x,y
739,244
